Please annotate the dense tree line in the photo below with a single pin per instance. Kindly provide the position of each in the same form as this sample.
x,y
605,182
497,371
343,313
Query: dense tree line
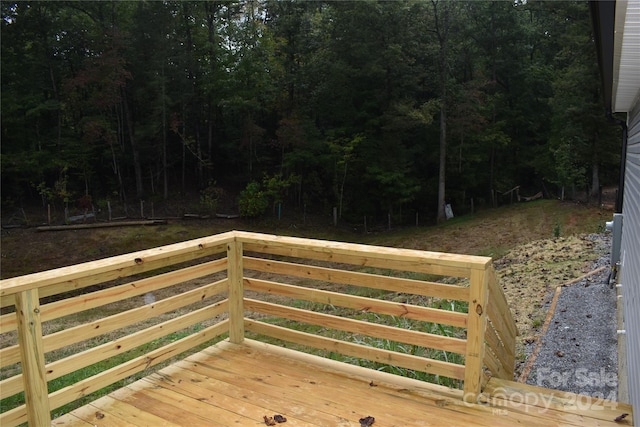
x,y
375,107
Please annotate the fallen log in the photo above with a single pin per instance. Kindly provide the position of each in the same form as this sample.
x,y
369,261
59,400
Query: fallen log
x,y
227,216
100,225
536,196
195,216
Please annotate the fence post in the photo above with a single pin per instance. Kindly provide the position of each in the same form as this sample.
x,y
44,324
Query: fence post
x,y
235,275
476,324
32,358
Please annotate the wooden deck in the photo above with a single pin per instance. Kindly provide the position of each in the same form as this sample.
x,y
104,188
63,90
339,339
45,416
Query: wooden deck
x,y
446,313
230,384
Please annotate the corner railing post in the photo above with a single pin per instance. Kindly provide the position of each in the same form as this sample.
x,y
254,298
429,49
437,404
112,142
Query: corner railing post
x,y
32,358
476,324
235,273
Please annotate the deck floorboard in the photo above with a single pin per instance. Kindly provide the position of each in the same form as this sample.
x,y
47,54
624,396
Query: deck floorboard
x,y
237,385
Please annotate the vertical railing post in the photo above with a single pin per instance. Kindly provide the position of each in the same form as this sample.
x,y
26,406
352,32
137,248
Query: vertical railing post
x,y
32,358
235,275
476,324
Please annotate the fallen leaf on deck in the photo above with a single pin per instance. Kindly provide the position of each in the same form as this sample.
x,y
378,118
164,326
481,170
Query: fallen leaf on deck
x,y
620,418
279,419
367,421
269,421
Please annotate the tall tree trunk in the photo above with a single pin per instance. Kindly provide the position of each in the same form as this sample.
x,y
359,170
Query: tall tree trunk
x,y
595,169
211,8
165,190
442,30
492,158
134,146
184,154
443,163
199,154
595,177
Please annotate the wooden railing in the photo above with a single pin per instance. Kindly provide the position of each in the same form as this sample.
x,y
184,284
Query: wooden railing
x,y
237,283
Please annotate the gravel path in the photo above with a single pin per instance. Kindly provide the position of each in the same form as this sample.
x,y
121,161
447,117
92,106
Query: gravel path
x,y
579,350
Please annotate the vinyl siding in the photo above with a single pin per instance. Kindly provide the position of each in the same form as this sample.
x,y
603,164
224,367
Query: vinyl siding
x,y
630,258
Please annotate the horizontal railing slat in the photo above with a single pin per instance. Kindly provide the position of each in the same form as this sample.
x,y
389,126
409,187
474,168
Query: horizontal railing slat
x,y
196,248
83,282
394,284
364,260
430,366
131,367
95,299
54,341
457,262
494,347
119,346
425,314
82,388
390,333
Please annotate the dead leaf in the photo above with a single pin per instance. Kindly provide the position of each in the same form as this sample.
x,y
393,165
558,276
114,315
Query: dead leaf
x,y
269,421
441,403
619,418
279,419
367,421
99,415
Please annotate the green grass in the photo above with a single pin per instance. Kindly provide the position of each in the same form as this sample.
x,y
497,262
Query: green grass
x,y
385,344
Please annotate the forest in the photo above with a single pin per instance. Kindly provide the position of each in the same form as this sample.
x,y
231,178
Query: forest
x,y
374,109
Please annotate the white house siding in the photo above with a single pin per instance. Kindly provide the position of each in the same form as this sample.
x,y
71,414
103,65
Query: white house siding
x,y
630,257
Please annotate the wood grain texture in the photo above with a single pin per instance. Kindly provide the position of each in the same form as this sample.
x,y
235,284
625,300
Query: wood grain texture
x,y
157,257
487,323
375,281
229,384
235,273
474,358
371,329
408,311
89,300
32,357
374,354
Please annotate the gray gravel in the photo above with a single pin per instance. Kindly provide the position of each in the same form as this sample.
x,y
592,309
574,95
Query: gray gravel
x,y
579,350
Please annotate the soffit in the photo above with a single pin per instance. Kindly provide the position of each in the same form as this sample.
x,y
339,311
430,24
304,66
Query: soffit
x,y
626,59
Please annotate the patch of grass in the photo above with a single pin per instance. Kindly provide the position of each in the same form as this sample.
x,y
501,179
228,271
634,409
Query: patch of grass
x,y
537,322
389,320
493,232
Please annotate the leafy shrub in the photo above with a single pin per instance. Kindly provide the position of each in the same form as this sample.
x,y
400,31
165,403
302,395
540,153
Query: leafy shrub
x,y
252,202
210,196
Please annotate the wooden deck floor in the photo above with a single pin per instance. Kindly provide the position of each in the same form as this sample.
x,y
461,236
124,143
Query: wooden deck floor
x,y
238,385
